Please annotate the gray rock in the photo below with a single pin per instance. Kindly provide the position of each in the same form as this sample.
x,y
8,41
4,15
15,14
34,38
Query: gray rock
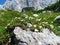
x,y
45,37
57,18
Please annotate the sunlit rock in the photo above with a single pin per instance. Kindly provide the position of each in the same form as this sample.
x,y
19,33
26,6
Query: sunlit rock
x,y
46,37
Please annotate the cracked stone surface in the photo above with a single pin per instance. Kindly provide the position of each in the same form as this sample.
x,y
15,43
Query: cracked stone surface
x,y
46,37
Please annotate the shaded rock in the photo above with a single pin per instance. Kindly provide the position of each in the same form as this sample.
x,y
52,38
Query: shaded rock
x,y
35,15
57,19
28,9
58,9
46,37
58,44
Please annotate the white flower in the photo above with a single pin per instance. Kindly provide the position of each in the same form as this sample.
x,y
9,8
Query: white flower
x,y
29,24
52,26
9,40
44,12
40,27
43,22
31,18
35,15
6,27
8,24
38,19
58,26
19,18
26,17
35,25
46,22
36,30
24,14
15,17
22,20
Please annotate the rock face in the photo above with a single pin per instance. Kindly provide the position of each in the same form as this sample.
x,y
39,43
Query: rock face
x,y
20,4
46,37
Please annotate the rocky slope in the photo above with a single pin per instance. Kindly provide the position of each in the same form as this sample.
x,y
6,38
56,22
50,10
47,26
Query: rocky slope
x,y
46,37
20,4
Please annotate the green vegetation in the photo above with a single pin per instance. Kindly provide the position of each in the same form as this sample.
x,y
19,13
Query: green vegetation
x,y
53,6
5,18
11,18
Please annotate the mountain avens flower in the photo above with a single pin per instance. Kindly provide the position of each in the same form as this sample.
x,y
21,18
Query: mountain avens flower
x,y
16,17
52,26
29,24
35,15
35,25
40,27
